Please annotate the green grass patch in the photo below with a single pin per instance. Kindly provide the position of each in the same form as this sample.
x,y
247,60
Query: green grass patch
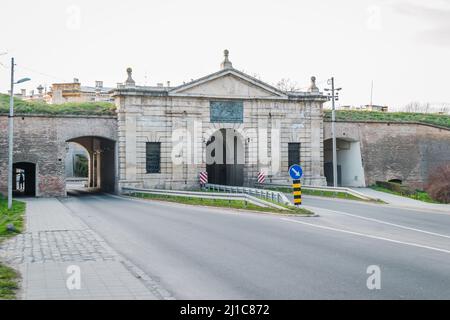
x,y
8,283
13,217
70,108
330,194
9,277
354,115
418,195
233,204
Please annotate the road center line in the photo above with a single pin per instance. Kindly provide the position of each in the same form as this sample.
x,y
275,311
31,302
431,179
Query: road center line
x,y
367,235
389,223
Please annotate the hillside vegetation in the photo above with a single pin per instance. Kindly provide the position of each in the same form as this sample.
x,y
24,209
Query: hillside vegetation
x,y
353,115
70,108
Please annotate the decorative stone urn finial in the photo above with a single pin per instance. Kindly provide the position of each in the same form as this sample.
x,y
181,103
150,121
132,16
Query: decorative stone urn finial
x,y
226,63
313,87
130,81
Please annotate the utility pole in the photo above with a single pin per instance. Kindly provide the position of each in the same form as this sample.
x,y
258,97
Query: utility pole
x,y
334,96
10,136
371,95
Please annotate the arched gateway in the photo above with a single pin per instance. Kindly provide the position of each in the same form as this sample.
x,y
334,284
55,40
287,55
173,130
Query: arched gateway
x,y
40,149
24,179
101,162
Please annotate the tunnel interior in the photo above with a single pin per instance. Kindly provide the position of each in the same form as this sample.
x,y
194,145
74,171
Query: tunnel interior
x,y
225,158
24,179
350,171
100,174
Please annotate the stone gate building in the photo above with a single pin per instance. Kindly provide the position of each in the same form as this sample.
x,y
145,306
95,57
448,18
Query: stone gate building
x,y
228,124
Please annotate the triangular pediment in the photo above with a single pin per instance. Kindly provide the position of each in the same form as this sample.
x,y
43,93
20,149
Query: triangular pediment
x,y
228,83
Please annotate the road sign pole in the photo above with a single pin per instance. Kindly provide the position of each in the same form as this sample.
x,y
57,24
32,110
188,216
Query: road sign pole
x,y
297,191
296,172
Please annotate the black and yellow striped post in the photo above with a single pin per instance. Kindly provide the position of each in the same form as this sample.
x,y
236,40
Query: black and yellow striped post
x,y
297,191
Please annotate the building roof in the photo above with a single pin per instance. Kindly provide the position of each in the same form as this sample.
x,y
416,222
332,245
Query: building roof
x,y
88,89
258,88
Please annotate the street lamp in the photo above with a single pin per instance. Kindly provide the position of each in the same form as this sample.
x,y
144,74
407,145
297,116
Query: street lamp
x,y
11,132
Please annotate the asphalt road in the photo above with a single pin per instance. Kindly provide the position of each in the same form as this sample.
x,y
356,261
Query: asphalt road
x,y
206,253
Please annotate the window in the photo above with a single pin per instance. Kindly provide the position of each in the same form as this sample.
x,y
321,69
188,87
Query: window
x,y
293,153
153,157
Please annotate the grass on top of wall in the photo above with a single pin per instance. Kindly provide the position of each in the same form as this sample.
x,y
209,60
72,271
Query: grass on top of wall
x,y
69,108
355,115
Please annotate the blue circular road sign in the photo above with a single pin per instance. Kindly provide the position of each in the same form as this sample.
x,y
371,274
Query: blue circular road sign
x,y
296,172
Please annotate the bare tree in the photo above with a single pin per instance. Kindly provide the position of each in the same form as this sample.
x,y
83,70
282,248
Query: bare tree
x,y
444,108
417,107
287,85
426,107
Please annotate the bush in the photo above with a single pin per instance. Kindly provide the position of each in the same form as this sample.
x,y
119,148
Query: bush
x,y
438,186
81,169
396,187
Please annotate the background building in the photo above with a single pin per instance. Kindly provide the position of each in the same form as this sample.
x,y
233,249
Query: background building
x,y
367,107
75,92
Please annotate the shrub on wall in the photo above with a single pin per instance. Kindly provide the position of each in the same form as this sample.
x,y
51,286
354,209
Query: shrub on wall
x,y
438,186
396,187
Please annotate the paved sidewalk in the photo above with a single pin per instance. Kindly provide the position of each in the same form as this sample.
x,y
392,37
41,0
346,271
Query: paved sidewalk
x,y
403,201
56,245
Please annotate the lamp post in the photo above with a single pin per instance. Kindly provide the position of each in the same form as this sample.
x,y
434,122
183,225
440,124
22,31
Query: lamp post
x,y
334,96
11,132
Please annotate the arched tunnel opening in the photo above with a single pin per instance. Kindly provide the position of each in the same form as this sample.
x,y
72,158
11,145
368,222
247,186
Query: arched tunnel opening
x,y
90,165
24,179
350,170
225,158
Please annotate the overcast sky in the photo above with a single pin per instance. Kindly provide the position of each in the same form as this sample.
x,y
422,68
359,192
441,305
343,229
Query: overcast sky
x,y
403,46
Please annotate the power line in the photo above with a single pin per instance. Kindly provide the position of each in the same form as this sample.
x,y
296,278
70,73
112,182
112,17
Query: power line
x,y
42,73
1,64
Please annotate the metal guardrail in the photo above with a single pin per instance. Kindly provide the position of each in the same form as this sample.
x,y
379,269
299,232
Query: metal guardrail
x,y
73,180
323,188
204,195
271,195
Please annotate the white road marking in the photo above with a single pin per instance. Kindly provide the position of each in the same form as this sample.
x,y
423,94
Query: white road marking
x,y
389,223
367,235
415,210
